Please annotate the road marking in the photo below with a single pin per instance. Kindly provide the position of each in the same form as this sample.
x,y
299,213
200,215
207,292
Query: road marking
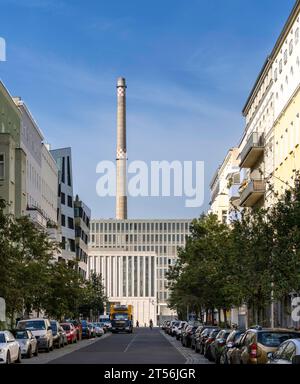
x,y
132,340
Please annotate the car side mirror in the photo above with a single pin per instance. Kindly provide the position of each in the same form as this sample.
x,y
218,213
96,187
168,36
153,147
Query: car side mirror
x,y
296,360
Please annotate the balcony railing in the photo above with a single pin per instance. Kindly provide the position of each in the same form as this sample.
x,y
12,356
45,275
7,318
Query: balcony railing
x,y
253,150
37,217
252,193
233,192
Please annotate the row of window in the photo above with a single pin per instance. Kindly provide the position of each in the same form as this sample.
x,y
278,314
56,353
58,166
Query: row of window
x,y
130,239
288,51
70,221
63,199
141,227
68,244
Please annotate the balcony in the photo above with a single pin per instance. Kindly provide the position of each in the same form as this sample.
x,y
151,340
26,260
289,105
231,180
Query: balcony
x,y
252,193
233,192
253,150
37,217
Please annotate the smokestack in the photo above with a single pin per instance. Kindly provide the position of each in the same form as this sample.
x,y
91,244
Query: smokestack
x,y
121,196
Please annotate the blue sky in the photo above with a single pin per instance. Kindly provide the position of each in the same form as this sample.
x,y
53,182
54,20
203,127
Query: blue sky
x,y
189,66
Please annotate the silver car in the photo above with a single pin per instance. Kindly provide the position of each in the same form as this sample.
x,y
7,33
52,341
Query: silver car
x,y
27,342
287,353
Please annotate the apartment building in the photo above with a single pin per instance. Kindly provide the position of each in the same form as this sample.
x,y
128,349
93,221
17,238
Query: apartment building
x,y
82,215
65,213
12,156
224,187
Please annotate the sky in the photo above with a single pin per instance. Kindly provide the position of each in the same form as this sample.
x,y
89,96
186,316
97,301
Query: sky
x,y
189,67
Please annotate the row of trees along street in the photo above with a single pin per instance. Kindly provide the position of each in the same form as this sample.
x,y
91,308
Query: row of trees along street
x,y
248,262
32,280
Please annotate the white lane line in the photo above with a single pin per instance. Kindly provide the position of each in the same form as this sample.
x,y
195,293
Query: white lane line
x,y
129,345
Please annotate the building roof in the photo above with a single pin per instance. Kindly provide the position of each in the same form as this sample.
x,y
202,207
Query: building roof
x,y
268,62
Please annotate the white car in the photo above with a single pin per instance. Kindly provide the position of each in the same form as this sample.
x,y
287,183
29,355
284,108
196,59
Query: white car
x,y
179,329
10,351
98,329
27,342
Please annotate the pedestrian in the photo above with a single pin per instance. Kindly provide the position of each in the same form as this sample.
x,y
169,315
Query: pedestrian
x,y
137,324
151,324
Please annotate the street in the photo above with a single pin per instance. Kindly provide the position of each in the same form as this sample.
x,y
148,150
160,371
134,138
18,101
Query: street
x,y
142,347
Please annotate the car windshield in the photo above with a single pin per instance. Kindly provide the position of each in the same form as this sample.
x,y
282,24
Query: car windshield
x,y
66,327
32,325
54,326
2,338
214,333
274,339
19,335
120,316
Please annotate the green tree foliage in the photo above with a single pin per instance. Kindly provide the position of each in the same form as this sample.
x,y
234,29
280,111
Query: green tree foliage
x,y
32,280
249,262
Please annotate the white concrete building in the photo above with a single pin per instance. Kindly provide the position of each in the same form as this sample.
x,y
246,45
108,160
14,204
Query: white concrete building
x,y
41,171
223,186
134,257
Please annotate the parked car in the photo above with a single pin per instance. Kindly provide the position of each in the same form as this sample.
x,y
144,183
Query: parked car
x,y
167,326
173,326
179,329
58,339
287,353
70,331
232,342
92,330
201,339
10,351
211,337
27,342
64,335
217,346
41,329
187,335
196,336
86,332
78,328
233,354
258,342
98,329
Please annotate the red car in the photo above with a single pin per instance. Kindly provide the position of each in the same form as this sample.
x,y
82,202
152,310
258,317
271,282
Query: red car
x,y
70,331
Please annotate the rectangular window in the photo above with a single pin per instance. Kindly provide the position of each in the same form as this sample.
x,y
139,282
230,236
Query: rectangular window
x,y
69,171
63,220
70,223
63,170
2,166
141,276
135,276
70,201
63,198
130,276
124,276
152,276
147,276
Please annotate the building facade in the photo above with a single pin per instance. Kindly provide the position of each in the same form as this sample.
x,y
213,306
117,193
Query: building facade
x,y
65,210
133,257
41,171
12,156
82,216
223,187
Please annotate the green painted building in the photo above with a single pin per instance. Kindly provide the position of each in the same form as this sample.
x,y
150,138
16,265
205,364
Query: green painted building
x,y
12,157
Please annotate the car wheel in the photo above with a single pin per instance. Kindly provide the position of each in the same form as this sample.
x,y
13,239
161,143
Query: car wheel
x,y
18,361
8,360
36,353
29,353
52,347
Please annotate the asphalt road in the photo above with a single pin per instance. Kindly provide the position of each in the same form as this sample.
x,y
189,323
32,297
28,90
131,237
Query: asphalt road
x,y
144,346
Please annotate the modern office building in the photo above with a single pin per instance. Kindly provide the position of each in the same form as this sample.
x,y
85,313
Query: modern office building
x,y
65,213
82,215
133,257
